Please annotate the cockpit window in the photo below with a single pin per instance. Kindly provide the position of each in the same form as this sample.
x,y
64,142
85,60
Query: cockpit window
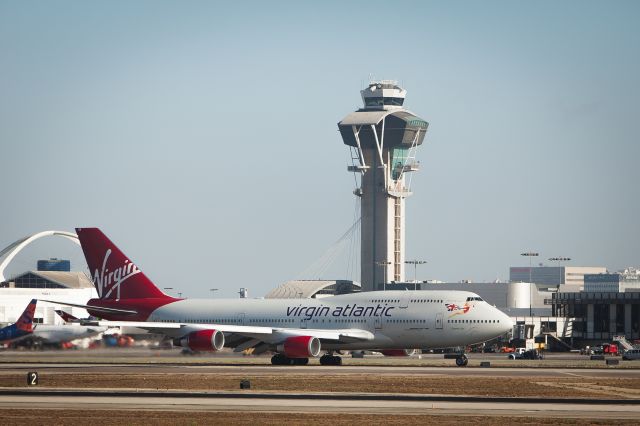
x,y
477,299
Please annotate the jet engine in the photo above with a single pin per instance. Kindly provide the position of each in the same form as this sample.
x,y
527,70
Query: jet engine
x,y
202,340
398,352
300,347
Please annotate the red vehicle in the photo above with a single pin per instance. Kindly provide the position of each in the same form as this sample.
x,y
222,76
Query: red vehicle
x,y
610,349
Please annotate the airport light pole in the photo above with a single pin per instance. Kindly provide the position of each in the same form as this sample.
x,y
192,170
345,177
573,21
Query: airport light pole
x,y
415,264
212,290
384,264
530,254
560,260
167,288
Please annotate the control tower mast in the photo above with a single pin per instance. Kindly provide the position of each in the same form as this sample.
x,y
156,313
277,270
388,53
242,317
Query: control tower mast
x,y
383,138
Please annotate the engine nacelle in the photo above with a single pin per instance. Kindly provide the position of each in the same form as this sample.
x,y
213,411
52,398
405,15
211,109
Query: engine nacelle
x,y
202,340
398,352
300,347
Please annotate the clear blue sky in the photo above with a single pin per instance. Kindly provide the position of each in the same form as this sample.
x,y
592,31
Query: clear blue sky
x,y
201,136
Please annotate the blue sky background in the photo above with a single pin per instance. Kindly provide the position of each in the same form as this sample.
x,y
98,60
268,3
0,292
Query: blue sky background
x,y
201,136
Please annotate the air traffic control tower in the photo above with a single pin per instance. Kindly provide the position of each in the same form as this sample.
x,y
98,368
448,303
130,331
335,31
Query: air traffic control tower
x,y
383,138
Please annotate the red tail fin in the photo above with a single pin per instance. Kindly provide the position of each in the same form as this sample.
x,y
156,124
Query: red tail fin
x,y
67,317
25,322
114,275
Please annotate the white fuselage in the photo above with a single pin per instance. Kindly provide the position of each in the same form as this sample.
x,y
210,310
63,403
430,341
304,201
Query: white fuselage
x,y
398,319
65,333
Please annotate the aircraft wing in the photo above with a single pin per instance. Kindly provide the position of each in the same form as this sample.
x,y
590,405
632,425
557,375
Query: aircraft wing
x,y
259,334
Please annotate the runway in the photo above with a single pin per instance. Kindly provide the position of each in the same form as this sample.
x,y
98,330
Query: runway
x,y
324,405
312,370
416,388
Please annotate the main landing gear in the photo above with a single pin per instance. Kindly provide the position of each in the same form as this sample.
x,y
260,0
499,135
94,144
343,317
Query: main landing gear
x,y
329,359
462,360
280,359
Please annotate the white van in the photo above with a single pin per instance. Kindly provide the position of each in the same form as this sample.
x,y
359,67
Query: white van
x,y
630,354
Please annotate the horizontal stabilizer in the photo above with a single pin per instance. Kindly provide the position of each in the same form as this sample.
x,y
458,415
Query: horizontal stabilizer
x,y
94,308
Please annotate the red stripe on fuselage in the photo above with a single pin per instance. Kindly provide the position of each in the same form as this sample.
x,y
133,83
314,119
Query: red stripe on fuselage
x,y
144,307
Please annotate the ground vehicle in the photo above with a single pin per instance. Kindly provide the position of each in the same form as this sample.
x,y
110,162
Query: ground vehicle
x,y
610,349
631,354
522,353
605,349
517,353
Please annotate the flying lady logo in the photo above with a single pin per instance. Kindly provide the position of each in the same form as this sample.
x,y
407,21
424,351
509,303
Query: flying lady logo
x,y
107,281
457,309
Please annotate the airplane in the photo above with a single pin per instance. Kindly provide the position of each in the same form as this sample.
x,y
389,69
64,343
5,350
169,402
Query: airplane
x,y
55,334
66,317
22,328
295,329
51,334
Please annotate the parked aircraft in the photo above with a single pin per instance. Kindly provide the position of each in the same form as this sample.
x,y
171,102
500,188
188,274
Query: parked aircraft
x,y
51,334
295,329
67,317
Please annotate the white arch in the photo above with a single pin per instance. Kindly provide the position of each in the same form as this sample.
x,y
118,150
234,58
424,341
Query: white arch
x,y
13,249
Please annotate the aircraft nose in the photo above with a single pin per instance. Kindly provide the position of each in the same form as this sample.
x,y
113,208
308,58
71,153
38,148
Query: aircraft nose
x,y
508,322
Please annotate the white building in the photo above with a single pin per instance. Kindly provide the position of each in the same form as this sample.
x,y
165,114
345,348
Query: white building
x,y
71,287
554,275
618,282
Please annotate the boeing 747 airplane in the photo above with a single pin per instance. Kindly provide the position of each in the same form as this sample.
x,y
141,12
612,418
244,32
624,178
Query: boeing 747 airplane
x,y
295,329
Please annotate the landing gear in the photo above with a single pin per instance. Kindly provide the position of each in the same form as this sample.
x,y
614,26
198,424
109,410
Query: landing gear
x,y
300,361
281,359
462,360
328,359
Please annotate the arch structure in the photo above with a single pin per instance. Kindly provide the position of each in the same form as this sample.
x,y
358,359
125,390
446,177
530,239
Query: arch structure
x,y
13,249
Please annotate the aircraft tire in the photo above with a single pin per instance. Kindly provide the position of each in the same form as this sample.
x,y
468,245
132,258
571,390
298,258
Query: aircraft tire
x,y
462,361
280,359
330,360
301,361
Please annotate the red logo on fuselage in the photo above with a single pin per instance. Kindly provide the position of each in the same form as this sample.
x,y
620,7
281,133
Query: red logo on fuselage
x,y
457,309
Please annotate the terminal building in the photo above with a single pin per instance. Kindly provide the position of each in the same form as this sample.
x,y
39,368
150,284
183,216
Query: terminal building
x,y
51,280
554,275
608,307
71,287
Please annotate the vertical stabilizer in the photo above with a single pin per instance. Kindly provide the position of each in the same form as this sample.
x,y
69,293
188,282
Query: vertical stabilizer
x,y
114,275
25,322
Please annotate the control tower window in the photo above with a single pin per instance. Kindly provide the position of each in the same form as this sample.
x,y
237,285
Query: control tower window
x,y
373,102
393,101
